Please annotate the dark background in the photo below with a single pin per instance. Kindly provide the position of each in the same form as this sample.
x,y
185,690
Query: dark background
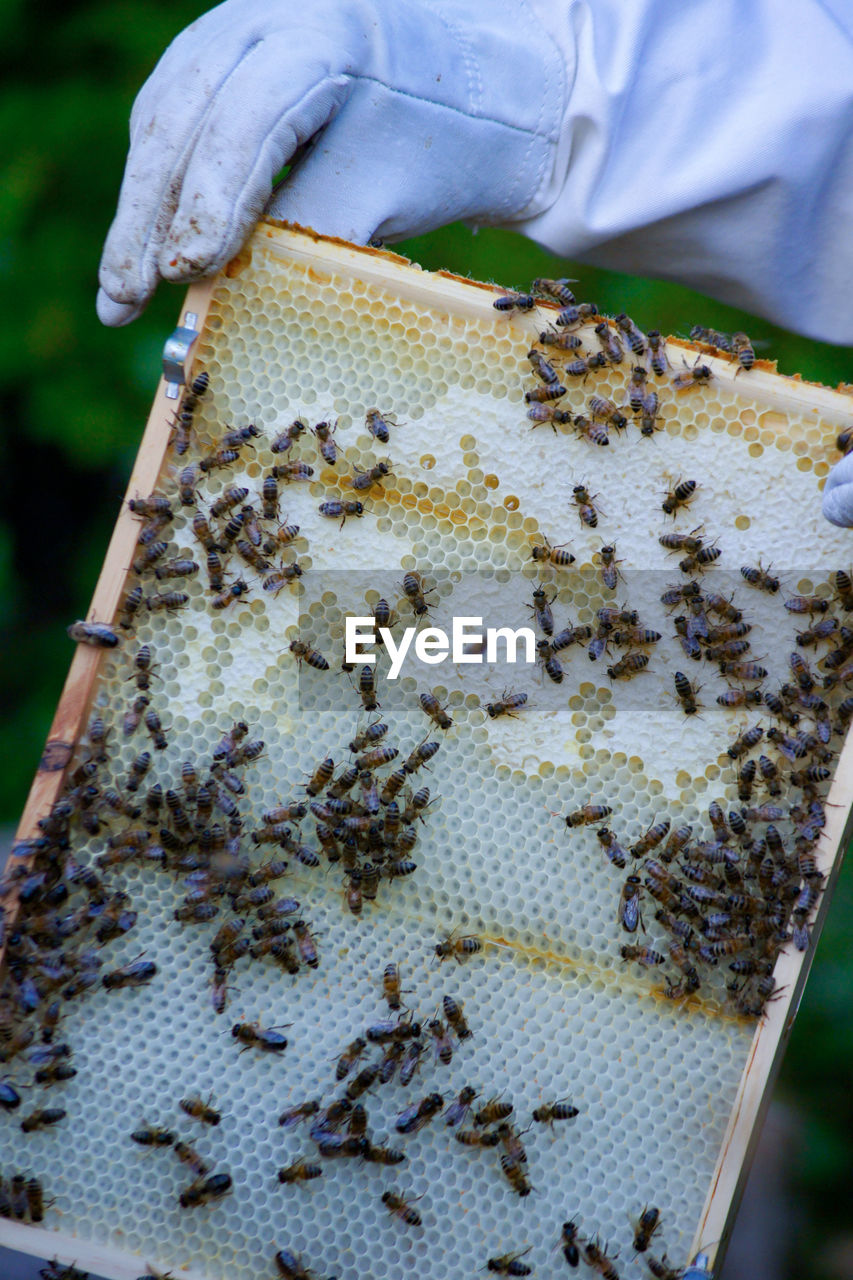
x,y
74,397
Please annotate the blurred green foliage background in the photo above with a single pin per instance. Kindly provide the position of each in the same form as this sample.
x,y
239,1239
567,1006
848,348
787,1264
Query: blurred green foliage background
x,y
75,397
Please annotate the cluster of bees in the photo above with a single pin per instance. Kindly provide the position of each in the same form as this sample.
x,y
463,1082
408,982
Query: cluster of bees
x,y
751,888
739,896
206,1186
621,628
340,1128
619,341
371,837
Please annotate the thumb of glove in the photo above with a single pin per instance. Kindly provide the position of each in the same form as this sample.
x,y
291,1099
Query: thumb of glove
x,y
838,493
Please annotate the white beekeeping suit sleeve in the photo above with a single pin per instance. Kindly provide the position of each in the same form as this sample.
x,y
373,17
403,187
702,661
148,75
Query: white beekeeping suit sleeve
x,y
710,143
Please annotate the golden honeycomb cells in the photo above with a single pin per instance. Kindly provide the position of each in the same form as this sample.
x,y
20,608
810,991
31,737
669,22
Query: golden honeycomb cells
x,y
303,329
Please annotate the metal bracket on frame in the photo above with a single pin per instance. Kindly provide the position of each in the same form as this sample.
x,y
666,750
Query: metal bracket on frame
x,y
176,349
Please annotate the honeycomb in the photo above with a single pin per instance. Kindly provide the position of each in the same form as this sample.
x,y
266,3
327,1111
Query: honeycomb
x,y
555,1012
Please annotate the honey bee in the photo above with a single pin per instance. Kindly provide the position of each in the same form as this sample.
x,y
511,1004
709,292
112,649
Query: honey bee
x,y
96,634
222,457
611,347
188,1156
629,904
515,1175
412,1119
396,1205
685,691
321,776
595,432
807,604
711,337
760,577
541,609
514,302
679,496
456,1018
629,666
551,1111
547,554
182,567
657,352
745,741
168,601
230,498
286,573
269,498
587,511
844,441
153,505
509,1264
328,449
561,341
300,1171
695,376
303,653
636,340
459,948
253,1035
480,1138
10,1099
740,698
134,974
641,955
645,1227
130,607
200,1110
539,413
367,688
586,365
435,711
661,1270
742,347
557,289
294,1115
413,588
568,1243
596,1258
41,1118
542,368
35,1199
576,314
609,571
240,436
612,848
149,556
743,670
549,391
288,471
204,1190
507,704
443,1041
284,440
588,814
305,942
366,479
606,411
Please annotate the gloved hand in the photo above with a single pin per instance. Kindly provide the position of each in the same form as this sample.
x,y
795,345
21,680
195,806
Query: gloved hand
x,y
838,493
420,111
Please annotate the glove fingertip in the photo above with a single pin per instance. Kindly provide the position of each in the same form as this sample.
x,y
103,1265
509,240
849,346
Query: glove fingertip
x,y
115,314
838,505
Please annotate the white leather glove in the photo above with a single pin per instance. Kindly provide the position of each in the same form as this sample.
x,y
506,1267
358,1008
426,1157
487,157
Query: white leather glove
x,y
421,111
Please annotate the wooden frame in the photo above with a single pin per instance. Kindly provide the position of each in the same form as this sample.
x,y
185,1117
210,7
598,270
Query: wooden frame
x,y
467,298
